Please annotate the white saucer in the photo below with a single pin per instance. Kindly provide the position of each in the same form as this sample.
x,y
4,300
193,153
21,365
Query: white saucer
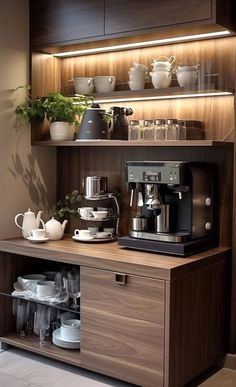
x,y
80,239
57,340
37,240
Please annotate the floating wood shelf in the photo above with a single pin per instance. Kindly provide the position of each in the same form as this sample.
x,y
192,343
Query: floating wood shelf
x,y
120,143
165,93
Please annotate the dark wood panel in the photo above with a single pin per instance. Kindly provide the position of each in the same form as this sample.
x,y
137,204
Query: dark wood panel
x,y
138,15
65,21
199,316
109,313
74,164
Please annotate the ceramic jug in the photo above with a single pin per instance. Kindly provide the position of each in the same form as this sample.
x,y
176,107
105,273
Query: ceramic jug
x,y
54,229
29,222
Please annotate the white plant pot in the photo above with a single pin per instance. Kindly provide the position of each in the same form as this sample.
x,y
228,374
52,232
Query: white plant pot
x,y
61,131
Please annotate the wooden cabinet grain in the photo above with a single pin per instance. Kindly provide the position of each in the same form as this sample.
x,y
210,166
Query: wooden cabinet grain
x,y
61,22
135,15
123,326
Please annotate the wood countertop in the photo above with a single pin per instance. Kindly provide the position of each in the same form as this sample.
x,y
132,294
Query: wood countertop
x,y
109,256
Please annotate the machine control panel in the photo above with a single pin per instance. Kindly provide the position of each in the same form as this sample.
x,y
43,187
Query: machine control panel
x,y
154,172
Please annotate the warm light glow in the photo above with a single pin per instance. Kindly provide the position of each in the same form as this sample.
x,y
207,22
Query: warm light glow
x,y
190,95
148,43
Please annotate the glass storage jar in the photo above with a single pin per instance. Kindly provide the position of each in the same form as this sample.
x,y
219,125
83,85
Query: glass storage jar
x,y
148,130
134,130
172,129
160,130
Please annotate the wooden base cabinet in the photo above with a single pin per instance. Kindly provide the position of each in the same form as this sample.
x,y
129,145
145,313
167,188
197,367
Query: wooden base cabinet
x,y
147,319
153,332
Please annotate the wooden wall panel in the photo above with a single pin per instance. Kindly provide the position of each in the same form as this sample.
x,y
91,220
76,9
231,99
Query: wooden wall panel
x,y
75,163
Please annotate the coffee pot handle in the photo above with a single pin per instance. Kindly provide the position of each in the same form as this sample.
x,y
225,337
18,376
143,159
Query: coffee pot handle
x,y
16,217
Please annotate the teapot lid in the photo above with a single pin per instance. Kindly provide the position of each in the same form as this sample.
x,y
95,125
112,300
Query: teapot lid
x,y
29,212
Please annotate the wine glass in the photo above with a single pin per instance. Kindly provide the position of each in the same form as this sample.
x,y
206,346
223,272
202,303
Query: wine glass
x,y
73,287
21,318
42,321
60,287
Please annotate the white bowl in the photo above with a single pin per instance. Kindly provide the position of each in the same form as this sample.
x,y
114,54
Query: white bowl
x,y
70,330
99,214
45,288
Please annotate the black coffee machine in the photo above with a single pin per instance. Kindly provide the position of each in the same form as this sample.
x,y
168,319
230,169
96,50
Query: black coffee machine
x,y
120,123
173,207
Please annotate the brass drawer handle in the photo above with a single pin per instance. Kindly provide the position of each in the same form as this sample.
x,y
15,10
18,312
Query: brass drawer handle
x,y
120,278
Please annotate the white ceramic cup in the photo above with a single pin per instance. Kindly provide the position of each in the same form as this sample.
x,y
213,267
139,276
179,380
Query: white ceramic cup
x,y
70,330
83,85
99,214
83,234
85,212
45,288
161,79
104,83
103,234
187,78
37,233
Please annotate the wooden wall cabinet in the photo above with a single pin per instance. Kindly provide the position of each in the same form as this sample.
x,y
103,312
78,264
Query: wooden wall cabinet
x,y
73,21
60,22
126,16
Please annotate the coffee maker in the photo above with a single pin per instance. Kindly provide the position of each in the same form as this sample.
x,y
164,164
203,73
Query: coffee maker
x,y
172,207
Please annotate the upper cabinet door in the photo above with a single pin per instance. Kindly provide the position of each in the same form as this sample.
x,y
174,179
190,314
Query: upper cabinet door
x,y
133,15
60,22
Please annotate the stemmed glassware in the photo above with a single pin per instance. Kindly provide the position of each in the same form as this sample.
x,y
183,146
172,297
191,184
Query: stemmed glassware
x,y
42,321
73,287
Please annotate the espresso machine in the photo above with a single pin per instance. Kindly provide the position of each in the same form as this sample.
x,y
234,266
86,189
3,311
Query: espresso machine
x,y
172,207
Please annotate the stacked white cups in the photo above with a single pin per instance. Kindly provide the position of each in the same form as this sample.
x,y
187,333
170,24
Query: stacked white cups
x,y
161,73
137,75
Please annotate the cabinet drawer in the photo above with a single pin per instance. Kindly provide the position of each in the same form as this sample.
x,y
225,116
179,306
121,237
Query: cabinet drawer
x,y
136,15
122,326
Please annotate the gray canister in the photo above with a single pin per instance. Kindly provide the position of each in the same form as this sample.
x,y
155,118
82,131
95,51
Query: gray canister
x,y
95,186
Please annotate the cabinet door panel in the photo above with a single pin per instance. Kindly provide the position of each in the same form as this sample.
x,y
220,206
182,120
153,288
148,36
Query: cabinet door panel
x,y
135,15
122,326
64,21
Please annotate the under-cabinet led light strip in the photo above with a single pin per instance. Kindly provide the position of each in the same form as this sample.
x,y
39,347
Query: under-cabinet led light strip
x,y
148,43
134,99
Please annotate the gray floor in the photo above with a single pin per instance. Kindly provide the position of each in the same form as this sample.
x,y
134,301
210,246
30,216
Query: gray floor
x,y
23,369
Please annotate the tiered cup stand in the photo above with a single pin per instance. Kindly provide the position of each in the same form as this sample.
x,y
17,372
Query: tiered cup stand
x,y
116,216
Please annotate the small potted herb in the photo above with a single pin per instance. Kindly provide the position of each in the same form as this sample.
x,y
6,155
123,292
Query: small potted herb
x,y
63,113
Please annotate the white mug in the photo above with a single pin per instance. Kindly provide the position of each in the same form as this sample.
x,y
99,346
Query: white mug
x,y
85,212
83,85
84,234
37,233
104,83
45,288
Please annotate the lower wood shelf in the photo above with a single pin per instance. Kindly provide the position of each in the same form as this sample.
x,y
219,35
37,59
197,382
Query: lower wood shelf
x,y
31,343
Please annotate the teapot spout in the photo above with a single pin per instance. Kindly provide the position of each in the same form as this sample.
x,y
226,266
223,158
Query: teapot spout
x,y
64,224
39,220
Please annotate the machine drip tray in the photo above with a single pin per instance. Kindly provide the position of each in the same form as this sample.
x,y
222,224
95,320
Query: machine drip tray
x,y
181,249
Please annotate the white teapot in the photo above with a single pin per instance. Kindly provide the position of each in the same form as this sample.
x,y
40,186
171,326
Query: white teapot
x,y
29,222
54,229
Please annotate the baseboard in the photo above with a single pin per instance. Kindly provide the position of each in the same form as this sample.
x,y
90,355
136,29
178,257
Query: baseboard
x,y
230,361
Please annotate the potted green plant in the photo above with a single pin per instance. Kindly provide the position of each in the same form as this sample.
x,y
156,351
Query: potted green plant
x,y
63,113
